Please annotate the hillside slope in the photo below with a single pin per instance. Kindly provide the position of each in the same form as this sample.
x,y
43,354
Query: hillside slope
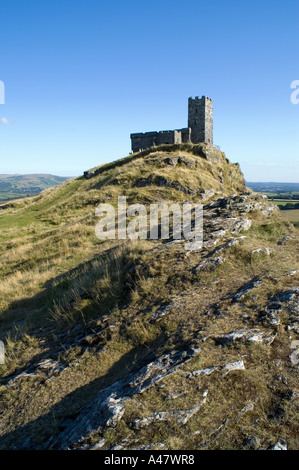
x,y
122,344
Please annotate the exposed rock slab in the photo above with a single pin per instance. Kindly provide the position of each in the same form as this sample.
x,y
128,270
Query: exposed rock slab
x,y
252,335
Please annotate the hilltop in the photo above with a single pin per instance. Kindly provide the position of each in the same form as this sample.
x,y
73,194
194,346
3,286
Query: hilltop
x,y
122,344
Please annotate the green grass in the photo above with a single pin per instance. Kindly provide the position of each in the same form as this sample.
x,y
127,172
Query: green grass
x,y
31,209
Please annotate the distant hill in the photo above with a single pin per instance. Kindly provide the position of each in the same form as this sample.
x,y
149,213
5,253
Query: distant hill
x,y
19,186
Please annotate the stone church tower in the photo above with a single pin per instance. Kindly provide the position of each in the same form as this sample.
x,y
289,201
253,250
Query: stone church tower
x,y
200,128
200,119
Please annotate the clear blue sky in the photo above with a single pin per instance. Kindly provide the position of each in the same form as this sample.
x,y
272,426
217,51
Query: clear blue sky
x,y
81,75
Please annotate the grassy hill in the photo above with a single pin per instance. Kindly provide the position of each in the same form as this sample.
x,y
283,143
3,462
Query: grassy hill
x,y
19,186
142,344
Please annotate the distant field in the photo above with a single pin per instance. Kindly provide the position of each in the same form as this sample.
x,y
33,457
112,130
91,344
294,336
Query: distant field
x,y
10,195
282,194
283,202
291,215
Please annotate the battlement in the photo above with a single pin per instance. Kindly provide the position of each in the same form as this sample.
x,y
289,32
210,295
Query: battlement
x,y
200,128
149,134
200,99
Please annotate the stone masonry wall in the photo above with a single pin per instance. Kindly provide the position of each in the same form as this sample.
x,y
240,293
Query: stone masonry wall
x,y
200,128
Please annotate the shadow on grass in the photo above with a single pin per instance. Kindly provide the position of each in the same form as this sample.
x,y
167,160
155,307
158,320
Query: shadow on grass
x,y
36,433
32,316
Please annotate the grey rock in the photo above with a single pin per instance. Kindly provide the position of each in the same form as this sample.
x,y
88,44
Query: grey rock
x,y
240,294
290,299
294,357
243,225
252,335
229,338
160,313
181,416
271,313
186,161
202,372
238,365
280,445
265,251
98,445
286,295
89,174
284,240
249,407
172,161
177,395
50,367
262,337
20,378
206,194
209,263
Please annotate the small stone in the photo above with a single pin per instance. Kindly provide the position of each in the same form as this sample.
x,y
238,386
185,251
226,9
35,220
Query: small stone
x,y
286,295
265,251
284,240
202,372
280,445
230,337
171,161
240,294
238,365
295,355
99,444
208,264
243,224
206,194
